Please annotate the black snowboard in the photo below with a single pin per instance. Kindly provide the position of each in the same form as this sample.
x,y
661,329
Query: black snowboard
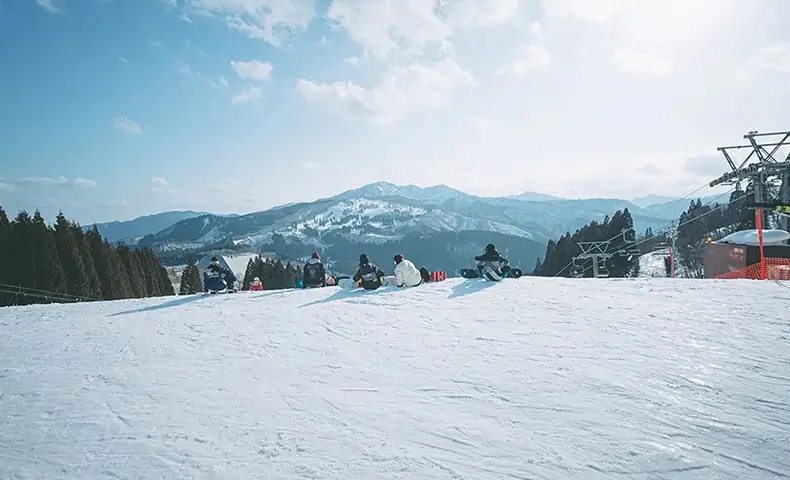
x,y
473,273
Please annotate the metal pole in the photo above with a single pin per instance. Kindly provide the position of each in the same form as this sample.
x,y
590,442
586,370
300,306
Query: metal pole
x,y
595,266
785,196
672,251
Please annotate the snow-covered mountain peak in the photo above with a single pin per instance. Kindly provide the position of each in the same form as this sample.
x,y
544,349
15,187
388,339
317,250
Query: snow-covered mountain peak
x,y
435,193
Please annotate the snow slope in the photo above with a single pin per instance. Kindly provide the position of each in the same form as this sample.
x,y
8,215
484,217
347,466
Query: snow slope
x,y
529,378
652,264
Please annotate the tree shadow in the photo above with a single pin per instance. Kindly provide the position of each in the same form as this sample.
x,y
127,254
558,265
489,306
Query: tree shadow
x,y
180,300
471,286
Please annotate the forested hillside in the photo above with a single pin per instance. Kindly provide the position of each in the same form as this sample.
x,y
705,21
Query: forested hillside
x,y
62,263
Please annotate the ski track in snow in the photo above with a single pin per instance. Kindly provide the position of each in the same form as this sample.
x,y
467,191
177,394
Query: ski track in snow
x,y
525,379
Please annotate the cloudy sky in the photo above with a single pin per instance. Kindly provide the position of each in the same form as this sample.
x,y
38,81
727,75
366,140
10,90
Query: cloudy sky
x,y
117,108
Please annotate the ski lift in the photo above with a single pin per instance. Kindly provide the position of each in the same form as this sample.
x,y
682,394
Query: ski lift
x,y
603,270
577,269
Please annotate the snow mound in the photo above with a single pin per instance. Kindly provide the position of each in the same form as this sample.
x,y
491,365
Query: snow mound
x,y
529,378
651,264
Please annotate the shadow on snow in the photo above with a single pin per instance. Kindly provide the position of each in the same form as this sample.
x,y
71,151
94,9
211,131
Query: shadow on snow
x,y
181,300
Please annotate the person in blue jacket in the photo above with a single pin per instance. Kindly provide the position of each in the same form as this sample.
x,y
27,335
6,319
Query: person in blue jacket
x,y
491,264
216,278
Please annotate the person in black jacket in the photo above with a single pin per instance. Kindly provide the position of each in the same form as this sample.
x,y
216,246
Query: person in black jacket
x,y
491,264
314,273
368,276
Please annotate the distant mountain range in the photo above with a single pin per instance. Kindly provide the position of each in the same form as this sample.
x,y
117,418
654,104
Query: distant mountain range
x,y
438,226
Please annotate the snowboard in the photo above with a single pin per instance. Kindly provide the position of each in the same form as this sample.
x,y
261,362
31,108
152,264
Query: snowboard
x,y
473,273
219,292
347,283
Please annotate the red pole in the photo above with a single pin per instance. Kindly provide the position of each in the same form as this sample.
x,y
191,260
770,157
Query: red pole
x,y
763,267
671,264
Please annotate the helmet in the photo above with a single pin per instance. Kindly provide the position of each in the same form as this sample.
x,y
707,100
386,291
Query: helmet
x,y
398,258
490,247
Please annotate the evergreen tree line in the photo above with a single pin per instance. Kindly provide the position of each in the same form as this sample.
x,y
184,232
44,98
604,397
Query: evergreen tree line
x,y
272,273
619,229
63,263
700,222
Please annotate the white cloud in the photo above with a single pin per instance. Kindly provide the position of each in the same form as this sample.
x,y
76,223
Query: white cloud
x,y
400,91
640,63
84,183
127,125
650,23
253,70
383,27
61,181
223,81
590,10
248,94
49,5
772,58
273,21
160,181
532,57
8,187
161,186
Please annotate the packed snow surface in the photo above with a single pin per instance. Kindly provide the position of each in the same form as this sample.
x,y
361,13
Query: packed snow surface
x,y
529,378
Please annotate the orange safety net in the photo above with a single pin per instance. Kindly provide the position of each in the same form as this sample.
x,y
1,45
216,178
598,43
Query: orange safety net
x,y
776,269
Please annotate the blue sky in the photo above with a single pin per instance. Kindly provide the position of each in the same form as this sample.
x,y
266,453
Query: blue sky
x,y
118,108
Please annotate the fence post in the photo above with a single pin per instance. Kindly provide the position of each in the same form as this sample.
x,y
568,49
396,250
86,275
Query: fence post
x,y
763,267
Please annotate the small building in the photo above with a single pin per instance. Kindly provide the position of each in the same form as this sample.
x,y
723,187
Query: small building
x,y
738,255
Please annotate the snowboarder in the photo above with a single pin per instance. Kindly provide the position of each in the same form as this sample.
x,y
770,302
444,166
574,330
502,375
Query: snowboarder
x,y
256,285
217,278
368,276
314,273
406,274
491,264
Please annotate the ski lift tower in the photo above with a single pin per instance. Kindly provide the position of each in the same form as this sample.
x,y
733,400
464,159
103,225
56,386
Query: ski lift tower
x,y
598,252
769,172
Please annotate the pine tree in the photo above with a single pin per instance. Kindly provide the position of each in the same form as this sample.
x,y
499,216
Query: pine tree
x,y
6,277
191,281
105,267
71,259
165,284
130,261
23,261
94,284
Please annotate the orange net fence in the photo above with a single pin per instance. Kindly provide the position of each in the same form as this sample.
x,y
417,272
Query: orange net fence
x,y
775,269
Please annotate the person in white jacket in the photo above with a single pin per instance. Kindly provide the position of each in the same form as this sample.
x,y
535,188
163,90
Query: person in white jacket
x,y
406,274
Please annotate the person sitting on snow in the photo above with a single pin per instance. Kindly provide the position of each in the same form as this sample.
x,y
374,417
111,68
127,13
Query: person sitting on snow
x,y
368,276
256,285
406,274
491,264
314,273
217,278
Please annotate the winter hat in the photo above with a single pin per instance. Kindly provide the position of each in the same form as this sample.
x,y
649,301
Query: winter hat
x,y
214,259
316,256
256,279
363,259
490,247
398,258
